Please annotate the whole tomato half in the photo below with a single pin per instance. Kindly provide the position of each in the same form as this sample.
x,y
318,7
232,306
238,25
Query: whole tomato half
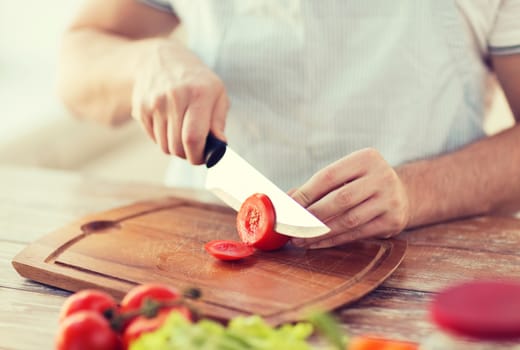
x,y
135,298
88,299
255,223
86,330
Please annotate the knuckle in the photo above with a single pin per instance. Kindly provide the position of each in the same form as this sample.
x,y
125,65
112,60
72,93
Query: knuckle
x,y
190,139
302,198
344,197
350,220
197,91
328,177
389,176
177,93
158,102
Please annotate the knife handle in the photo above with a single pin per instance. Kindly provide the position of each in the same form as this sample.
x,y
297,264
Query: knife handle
x,y
213,150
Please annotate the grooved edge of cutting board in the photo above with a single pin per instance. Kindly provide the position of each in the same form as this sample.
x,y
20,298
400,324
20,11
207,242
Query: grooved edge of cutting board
x,y
154,241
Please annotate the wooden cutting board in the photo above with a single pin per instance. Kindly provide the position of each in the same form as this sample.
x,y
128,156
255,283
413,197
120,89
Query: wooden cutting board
x,y
162,241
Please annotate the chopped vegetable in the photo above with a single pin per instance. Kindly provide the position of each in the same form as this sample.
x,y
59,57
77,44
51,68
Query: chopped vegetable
x,y
242,333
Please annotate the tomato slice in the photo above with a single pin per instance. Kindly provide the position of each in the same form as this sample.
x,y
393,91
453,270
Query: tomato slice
x,y
228,250
255,223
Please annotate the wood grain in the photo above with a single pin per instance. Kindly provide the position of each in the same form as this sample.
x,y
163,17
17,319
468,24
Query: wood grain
x,y
162,241
36,201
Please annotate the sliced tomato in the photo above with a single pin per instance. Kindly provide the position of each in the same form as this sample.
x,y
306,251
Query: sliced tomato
x,y
228,250
255,223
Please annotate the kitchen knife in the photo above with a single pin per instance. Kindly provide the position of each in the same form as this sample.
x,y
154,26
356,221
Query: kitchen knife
x,y
233,180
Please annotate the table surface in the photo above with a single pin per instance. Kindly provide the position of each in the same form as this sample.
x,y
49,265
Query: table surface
x,y
34,202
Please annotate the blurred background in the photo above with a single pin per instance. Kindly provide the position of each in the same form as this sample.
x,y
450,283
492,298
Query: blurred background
x,y
36,130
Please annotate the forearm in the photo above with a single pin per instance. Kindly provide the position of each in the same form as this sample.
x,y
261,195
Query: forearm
x,y
97,72
477,179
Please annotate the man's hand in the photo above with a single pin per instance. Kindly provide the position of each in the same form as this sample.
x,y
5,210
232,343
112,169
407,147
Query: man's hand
x,y
359,196
178,100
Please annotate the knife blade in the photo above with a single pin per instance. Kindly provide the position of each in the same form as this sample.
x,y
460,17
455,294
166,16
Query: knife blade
x,y
232,179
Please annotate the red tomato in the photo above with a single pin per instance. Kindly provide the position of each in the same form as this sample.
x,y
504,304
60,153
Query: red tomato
x,y
88,299
255,223
369,343
134,299
86,330
142,324
228,250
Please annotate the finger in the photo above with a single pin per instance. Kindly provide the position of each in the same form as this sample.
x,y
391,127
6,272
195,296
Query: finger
x,y
177,104
371,229
344,198
291,191
335,175
357,216
196,124
159,130
147,124
144,116
218,119
349,221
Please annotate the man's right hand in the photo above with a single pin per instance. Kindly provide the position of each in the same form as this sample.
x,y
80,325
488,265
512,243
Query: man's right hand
x,y
179,100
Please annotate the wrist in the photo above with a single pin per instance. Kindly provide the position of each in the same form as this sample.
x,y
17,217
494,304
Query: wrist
x,y
407,177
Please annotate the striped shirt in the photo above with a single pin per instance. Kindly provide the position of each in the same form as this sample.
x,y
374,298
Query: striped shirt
x,y
312,81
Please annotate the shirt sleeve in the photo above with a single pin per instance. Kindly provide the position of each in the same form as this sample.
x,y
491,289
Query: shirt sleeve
x,y
504,37
162,5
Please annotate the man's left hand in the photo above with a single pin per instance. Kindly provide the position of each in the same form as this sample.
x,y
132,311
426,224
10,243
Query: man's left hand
x,y
359,196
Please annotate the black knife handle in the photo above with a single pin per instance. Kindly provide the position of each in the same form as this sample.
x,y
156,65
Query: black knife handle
x,y
213,150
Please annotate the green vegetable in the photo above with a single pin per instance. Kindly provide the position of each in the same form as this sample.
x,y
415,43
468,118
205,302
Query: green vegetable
x,y
329,327
242,333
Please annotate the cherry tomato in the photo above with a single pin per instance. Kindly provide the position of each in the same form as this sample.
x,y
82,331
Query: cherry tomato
x,y
228,250
134,299
255,223
142,324
86,330
87,299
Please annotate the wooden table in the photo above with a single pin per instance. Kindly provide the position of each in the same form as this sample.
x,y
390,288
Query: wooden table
x,y
34,202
